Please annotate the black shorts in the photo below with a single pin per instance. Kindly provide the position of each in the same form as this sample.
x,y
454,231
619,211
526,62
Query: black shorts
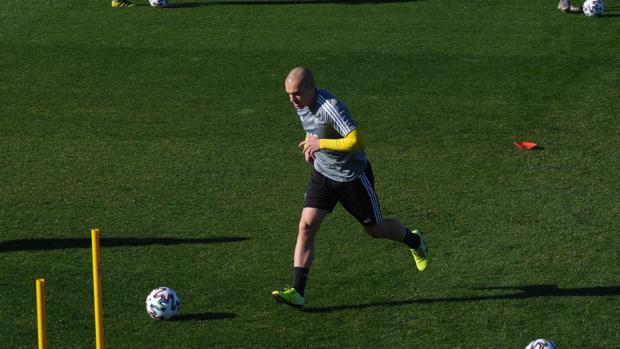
x,y
358,196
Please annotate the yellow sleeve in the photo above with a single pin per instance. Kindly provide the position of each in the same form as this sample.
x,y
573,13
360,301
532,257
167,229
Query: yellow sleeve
x,y
352,141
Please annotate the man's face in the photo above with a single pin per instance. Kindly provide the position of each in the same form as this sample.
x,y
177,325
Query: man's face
x,y
300,94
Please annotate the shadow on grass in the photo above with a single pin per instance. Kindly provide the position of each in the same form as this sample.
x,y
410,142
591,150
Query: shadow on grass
x,y
204,316
283,2
611,11
59,244
525,292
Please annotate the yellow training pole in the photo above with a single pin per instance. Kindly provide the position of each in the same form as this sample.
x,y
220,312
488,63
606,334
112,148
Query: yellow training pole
x,y
97,288
41,314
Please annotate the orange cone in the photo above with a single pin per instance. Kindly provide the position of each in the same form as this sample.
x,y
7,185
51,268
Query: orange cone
x,y
525,145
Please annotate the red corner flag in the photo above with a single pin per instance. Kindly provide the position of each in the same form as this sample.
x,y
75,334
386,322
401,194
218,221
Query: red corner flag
x,y
525,145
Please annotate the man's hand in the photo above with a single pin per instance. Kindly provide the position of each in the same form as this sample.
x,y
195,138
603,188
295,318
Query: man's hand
x,y
309,158
310,146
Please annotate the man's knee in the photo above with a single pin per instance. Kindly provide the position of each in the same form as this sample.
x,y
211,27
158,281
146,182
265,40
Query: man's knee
x,y
307,229
310,222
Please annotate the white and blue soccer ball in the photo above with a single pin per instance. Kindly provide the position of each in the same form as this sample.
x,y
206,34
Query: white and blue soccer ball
x,y
158,3
541,344
163,303
592,8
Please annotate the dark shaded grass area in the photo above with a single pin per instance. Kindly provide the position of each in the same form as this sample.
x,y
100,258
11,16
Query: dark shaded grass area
x,y
171,132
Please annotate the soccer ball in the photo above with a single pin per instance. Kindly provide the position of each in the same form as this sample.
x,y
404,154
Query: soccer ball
x,y
158,3
162,303
593,8
541,344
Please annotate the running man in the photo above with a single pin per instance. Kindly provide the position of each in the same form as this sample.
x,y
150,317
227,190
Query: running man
x,y
334,146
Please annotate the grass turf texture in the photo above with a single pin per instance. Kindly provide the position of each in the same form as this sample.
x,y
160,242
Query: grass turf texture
x,y
170,131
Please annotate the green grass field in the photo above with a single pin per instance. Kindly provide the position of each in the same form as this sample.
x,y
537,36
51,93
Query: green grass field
x,y
169,130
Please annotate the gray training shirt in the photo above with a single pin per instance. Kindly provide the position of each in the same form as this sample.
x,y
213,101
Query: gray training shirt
x,y
329,118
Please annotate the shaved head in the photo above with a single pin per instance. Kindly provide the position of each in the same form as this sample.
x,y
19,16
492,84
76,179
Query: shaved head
x,y
300,87
300,75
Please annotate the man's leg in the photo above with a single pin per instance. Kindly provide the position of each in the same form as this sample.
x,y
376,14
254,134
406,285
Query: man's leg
x,y
388,229
394,230
360,199
311,219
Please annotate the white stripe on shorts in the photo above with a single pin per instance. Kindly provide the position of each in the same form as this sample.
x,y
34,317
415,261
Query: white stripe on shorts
x,y
373,198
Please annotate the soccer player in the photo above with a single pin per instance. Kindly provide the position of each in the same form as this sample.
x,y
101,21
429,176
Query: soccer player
x,y
566,7
121,3
334,146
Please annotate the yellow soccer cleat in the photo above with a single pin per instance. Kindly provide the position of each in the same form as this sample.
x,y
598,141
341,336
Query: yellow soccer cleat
x,y
420,253
290,297
121,3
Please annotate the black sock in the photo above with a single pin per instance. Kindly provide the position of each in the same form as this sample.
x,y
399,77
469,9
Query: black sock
x,y
412,240
300,276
